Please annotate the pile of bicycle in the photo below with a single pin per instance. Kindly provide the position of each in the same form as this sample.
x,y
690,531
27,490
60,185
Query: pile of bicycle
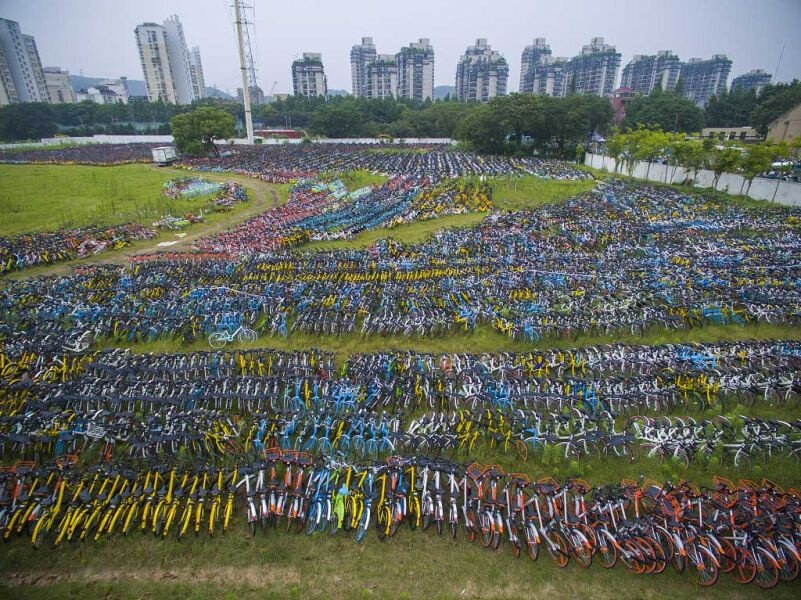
x,y
43,248
621,259
749,530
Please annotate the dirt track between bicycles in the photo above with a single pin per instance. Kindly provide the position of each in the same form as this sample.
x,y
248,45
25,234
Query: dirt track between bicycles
x,y
261,197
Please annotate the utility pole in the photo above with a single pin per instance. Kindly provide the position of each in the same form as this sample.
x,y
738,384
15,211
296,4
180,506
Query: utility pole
x,y
244,68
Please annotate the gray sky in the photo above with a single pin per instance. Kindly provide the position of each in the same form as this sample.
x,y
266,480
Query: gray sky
x,y
96,36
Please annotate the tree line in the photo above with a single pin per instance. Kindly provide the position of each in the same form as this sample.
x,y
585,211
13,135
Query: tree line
x,y
652,144
509,124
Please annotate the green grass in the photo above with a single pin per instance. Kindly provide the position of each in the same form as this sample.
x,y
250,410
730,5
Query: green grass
x,y
360,178
530,191
47,197
42,147
483,339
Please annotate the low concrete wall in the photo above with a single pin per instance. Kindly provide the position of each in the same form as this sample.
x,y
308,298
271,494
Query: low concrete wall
x,y
773,190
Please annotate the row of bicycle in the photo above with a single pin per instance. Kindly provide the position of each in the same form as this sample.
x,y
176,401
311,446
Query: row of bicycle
x,y
31,249
590,362
54,425
750,530
280,163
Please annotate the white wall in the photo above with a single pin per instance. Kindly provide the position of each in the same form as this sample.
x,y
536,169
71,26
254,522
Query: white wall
x,y
781,192
167,139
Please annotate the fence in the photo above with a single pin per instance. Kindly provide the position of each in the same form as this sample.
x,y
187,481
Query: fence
x,y
787,193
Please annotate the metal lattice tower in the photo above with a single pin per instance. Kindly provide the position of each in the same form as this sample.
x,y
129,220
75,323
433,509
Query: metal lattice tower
x,y
246,62
248,29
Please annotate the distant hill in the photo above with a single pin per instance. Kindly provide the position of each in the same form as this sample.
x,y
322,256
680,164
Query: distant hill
x,y
440,91
136,87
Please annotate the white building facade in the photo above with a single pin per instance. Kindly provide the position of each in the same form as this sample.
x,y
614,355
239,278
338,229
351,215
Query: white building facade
x,y
382,77
23,66
59,90
308,75
171,74
361,55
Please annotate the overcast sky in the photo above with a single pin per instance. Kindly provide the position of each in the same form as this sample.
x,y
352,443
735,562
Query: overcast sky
x,y
95,37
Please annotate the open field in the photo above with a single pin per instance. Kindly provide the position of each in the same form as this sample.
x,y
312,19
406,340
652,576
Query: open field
x,y
47,197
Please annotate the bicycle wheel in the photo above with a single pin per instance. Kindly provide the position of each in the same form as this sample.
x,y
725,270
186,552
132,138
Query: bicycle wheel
x,y
361,530
247,336
746,569
557,549
41,533
485,525
312,517
470,525
788,565
218,340
532,547
382,520
767,575
514,535
706,571
607,552
521,449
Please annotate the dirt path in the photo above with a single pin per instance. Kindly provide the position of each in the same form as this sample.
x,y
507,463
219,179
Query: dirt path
x,y
262,197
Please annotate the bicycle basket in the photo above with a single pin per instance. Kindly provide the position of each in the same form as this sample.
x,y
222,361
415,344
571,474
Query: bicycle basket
x,y
273,453
474,470
631,488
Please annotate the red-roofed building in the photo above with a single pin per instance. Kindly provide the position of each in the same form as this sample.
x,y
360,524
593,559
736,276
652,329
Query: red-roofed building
x,y
620,98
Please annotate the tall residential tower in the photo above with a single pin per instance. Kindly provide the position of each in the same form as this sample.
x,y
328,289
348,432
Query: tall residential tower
x,y
170,74
361,55
756,79
22,68
703,79
594,70
308,75
416,70
481,74
644,72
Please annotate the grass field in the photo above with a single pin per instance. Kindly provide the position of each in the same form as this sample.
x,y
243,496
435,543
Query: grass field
x,y
47,197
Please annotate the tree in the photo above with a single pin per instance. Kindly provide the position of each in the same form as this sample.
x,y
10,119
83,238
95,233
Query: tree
x,y
730,109
27,121
667,110
773,101
342,120
723,159
757,159
615,146
196,131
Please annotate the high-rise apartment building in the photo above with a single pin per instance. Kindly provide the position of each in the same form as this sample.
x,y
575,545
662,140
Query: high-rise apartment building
x,y
594,71
308,75
24,68
644,73
8,91
196,72
481,74
382,77
166,63
532,58
59,90
416,70
361,55
756,79
703,79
